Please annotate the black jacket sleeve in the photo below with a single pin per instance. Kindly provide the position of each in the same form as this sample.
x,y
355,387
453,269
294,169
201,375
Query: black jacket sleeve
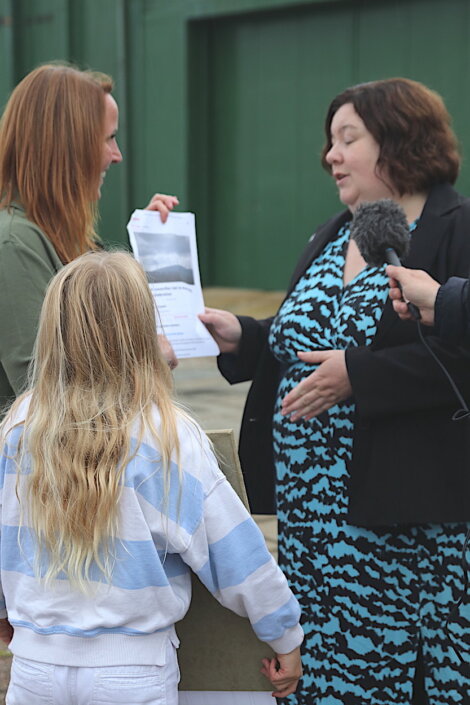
x,y
241,367
406,378
452,311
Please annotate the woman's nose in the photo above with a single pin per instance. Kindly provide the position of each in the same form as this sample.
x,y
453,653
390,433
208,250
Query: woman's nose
x,y
117,156
333,154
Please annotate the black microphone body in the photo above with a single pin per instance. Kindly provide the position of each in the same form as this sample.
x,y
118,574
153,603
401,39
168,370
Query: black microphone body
x,y
391,257
381,232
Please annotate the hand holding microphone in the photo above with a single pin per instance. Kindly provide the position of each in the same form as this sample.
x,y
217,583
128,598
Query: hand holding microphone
x,y
418,287
382,235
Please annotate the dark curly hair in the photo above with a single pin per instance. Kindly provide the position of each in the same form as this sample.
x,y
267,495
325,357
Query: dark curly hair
x,y
412,127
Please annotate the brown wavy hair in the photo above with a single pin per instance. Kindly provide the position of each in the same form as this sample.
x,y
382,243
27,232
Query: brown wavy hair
x,y
51,141
412,127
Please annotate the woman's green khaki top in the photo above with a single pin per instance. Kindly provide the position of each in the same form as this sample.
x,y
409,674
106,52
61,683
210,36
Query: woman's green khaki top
x,y
28,261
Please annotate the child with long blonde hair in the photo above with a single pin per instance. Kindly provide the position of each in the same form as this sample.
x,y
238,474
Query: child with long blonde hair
x,y
110,493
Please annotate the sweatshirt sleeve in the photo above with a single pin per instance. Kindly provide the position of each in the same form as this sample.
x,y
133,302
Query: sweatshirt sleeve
x,y
229,555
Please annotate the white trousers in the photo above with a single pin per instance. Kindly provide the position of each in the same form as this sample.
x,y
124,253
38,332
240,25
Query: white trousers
x,y
213,697
35,683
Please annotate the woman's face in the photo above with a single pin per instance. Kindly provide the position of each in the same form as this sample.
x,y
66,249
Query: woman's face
x,y
353,158
111,152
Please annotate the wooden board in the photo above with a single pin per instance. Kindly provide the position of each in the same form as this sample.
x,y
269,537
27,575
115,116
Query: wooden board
x,y
219,650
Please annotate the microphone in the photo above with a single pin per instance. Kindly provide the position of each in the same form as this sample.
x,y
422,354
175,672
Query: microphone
x,y
381,233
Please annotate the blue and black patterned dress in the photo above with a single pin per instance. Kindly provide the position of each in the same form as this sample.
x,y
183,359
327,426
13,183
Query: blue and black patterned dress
x,y
369,597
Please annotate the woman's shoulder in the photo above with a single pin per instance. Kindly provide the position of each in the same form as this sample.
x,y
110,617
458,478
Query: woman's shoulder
x,y
24,247
444,199
17,230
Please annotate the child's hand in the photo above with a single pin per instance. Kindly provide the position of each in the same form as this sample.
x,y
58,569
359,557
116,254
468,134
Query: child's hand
x,y
6,631
284,672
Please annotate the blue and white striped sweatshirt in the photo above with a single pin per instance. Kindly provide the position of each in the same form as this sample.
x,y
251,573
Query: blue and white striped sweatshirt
x,y
205,527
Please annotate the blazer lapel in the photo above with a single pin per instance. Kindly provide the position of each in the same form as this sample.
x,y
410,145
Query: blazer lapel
x,y
425,241
432,227
316,244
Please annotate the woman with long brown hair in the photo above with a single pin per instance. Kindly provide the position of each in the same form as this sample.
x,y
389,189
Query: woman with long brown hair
x,y
57,141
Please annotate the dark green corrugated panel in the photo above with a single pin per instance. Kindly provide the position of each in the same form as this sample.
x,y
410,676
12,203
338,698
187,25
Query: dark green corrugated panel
x,y
158,98
7,78
270,79
98,41
41,32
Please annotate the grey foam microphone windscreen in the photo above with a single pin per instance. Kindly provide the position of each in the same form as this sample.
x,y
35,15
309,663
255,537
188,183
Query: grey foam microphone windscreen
x,y
378,226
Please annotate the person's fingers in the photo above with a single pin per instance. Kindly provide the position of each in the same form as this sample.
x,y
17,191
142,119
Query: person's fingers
x,y
393,271
309,410
308,402
396,294
163,204
316,357
168,201
269,668
287,691
401,308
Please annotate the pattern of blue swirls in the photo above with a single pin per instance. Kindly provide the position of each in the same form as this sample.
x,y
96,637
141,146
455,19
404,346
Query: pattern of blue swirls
x,y
369,597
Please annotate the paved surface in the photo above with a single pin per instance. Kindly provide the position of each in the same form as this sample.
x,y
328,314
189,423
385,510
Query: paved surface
x,y
213,402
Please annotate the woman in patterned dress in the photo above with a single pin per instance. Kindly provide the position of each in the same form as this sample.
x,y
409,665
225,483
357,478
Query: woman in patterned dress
x,y
372,487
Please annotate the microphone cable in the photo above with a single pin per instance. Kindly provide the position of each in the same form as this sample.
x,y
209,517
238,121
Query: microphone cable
x,y
464,411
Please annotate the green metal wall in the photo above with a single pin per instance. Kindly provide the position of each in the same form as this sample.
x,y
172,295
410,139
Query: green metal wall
x,y
222,102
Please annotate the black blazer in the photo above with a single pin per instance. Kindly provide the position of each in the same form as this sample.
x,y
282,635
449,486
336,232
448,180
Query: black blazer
x,y
410,461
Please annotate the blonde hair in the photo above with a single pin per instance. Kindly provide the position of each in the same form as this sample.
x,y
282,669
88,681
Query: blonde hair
x,y
51,142
97,372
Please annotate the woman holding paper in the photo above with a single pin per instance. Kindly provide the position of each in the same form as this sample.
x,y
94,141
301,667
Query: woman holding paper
x,y
57,141
352,418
